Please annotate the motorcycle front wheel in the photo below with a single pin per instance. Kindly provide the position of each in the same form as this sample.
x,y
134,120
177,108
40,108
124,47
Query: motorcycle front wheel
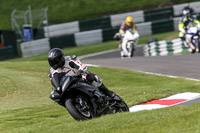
x,y
79,108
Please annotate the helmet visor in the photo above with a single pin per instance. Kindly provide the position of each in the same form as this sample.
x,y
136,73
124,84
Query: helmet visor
x,y
56,63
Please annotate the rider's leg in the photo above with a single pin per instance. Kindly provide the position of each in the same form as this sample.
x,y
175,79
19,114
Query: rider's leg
x,y
188,39
106,91
122,53
124,49
193,41
121,50
97,81
182,37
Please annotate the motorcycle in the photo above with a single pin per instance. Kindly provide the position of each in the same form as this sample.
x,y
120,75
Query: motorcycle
x,y
193,37
84,101
130,40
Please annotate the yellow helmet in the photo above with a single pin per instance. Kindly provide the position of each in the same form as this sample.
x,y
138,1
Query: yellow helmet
x,y
129,21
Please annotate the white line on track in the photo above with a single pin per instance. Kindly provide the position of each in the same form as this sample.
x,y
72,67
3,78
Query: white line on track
x,y
171,76
104,52
99,53
158,74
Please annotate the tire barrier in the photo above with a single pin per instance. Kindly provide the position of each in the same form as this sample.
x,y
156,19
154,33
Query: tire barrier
x,y
7,52
31,48
61,29
112,21
8,45
163,48
103,29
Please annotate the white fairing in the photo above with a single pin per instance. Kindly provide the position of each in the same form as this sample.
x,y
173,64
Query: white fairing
x,y
191,34
129,36
192,30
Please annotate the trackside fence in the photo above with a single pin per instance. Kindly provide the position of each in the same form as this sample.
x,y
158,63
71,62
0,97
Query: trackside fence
x,y
31,48
103,29
115,20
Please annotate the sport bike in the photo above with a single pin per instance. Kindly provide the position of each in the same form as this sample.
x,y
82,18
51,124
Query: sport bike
x,y
85,101
129,39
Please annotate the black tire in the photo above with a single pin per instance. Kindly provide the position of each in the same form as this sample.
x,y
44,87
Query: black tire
x,y
133,50
125,107
121,106
73,111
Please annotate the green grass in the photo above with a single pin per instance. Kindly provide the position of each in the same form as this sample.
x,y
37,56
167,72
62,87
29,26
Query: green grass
x,y
63,11
161,36
26,107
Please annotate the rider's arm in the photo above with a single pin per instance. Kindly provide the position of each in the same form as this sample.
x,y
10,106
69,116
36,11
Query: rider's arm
x,y
197,22
136,33
122,28
134,28
181,27
76,63
121,32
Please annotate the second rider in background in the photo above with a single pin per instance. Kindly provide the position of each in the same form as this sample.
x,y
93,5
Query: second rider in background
x,y
183,25
127,25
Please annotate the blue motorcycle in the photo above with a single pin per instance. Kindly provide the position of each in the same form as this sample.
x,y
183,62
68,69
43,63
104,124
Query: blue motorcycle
x,y
193,37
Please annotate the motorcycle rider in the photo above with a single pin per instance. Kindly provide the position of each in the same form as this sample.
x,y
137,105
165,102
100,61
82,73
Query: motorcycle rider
x,y
71,65
187,7
127,25
183,24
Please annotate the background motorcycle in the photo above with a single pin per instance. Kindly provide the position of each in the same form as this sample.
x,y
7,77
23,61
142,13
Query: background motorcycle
x,y
193,35
85,101
130,42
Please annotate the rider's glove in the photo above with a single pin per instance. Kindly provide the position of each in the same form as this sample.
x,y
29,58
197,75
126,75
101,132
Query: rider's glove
x,y
90,77
81,74
182,30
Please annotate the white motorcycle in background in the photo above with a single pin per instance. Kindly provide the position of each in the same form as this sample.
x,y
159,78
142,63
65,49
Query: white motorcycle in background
x,y
129,40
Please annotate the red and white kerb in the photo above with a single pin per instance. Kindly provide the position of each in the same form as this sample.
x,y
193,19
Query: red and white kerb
x,y
165,102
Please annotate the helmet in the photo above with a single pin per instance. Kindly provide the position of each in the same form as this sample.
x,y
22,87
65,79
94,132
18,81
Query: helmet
x,y
56,58
129,21
186,12
187,5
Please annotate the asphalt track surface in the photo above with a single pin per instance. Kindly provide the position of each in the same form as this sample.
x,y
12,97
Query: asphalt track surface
x,y
186,66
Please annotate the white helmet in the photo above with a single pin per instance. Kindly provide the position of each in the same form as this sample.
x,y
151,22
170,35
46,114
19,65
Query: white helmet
x,y
186,12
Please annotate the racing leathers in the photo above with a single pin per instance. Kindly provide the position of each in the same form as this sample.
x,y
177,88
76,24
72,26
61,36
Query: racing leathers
x,y
73,67
124,27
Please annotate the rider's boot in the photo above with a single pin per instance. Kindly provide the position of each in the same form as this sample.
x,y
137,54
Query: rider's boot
x,y
193,51
106,91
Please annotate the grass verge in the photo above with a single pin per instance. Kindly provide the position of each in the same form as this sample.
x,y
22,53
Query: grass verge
x,y
25,106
